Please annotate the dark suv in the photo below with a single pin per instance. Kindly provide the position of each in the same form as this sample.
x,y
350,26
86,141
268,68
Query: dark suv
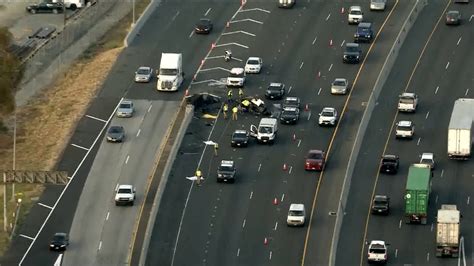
x,y
275,91
240,138
352,53
226,171
364,32
389,164
45,7
381,204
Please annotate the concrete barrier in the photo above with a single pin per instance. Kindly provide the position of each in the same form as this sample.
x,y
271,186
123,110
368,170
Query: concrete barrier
x,y
135,30
379,83
164,179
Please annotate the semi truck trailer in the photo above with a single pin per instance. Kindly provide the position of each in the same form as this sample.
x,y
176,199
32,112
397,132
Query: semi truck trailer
x,y
417,193
460,135
447,231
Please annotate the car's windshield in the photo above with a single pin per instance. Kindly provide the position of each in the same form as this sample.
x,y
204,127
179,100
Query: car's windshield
x,y
295,213
406,100
274,88
386,160
125,106
377,250
143,71
253,62
315,156
168,72
404,127
351,49
339,83
115,130
265,130
240,135
356,12
124,191
327,113
380,202
289,113
234,75
293,102
58,238
226,168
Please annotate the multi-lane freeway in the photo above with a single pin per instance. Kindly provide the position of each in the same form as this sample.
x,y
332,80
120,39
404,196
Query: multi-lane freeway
x,y
245,223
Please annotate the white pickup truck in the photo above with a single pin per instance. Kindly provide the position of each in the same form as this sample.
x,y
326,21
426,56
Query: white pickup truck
x,y
407,102
125,195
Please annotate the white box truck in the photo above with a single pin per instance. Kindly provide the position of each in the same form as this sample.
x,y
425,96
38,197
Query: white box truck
x,y
447,231
266,131
460,129
170,75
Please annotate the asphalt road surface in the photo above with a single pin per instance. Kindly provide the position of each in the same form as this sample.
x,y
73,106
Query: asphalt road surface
x,y
224,224
439,73
168,30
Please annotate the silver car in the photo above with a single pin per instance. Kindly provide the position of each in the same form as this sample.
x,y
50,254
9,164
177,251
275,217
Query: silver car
x,y
377,4
339,86
125,109
143,74
116,134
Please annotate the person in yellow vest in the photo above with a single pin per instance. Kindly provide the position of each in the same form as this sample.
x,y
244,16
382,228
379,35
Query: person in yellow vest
x,y
241,93
216,148
225,109
245,105
198,177
229,96
234,112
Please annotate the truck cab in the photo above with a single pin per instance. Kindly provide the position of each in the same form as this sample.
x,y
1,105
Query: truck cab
x,y
125,195
170,75
266,131
407,102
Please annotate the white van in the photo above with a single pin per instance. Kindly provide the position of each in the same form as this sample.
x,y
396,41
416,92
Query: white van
x,y
296,215
266,131
170,75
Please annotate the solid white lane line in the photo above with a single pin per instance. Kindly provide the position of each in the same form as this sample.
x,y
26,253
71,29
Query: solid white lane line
x,y
314,41
259,167
243,224
327,18
343,41
149,108
282,197
100,245
458,41
138,133
276,226
427,114
96,118
44,205
319,92
291,168
447,65
254,9
207,12
330,67
467,91
233,43
238,252
251,195
107,217
436,91
239,31
80,147
289,89
247,19
400,224
27,237
299,142
418,143
301,66
126,160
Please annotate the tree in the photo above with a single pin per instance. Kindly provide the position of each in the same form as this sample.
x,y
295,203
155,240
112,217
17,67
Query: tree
x,y
10,73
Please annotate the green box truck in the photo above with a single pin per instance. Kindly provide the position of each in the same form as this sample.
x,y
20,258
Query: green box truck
x,y
417,193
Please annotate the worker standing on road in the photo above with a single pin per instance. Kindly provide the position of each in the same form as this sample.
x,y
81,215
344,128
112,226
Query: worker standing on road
x,y
198,177
229,95
241,94
225,109
216,148
245,105
234,112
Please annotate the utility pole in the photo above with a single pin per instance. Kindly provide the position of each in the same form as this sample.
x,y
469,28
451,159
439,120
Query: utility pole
x,y
14,147
133,13
4,201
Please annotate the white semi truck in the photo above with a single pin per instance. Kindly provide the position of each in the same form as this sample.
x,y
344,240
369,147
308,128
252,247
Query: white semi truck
x,y
447,231
170,75
460,128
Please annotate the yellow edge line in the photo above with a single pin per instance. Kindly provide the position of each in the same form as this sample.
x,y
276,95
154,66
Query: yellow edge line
x,y
391,130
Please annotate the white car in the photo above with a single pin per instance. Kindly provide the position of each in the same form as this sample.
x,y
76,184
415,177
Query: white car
x,y
377,251
236,77
125,195
378,4
328,116
339,86
143,74
296,215
253,65
407,102
405,129
355,15
429,159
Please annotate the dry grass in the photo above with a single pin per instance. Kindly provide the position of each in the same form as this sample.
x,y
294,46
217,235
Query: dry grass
x,y
45,125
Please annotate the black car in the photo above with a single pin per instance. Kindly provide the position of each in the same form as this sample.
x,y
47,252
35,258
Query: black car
x,y
115,134
59,242
291,102
203,26
352,53
290,115
275,91
389,164
45,7
240,138
226,171
453,17
364,32
380,205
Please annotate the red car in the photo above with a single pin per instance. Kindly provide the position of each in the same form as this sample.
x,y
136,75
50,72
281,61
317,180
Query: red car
x,y
315,160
